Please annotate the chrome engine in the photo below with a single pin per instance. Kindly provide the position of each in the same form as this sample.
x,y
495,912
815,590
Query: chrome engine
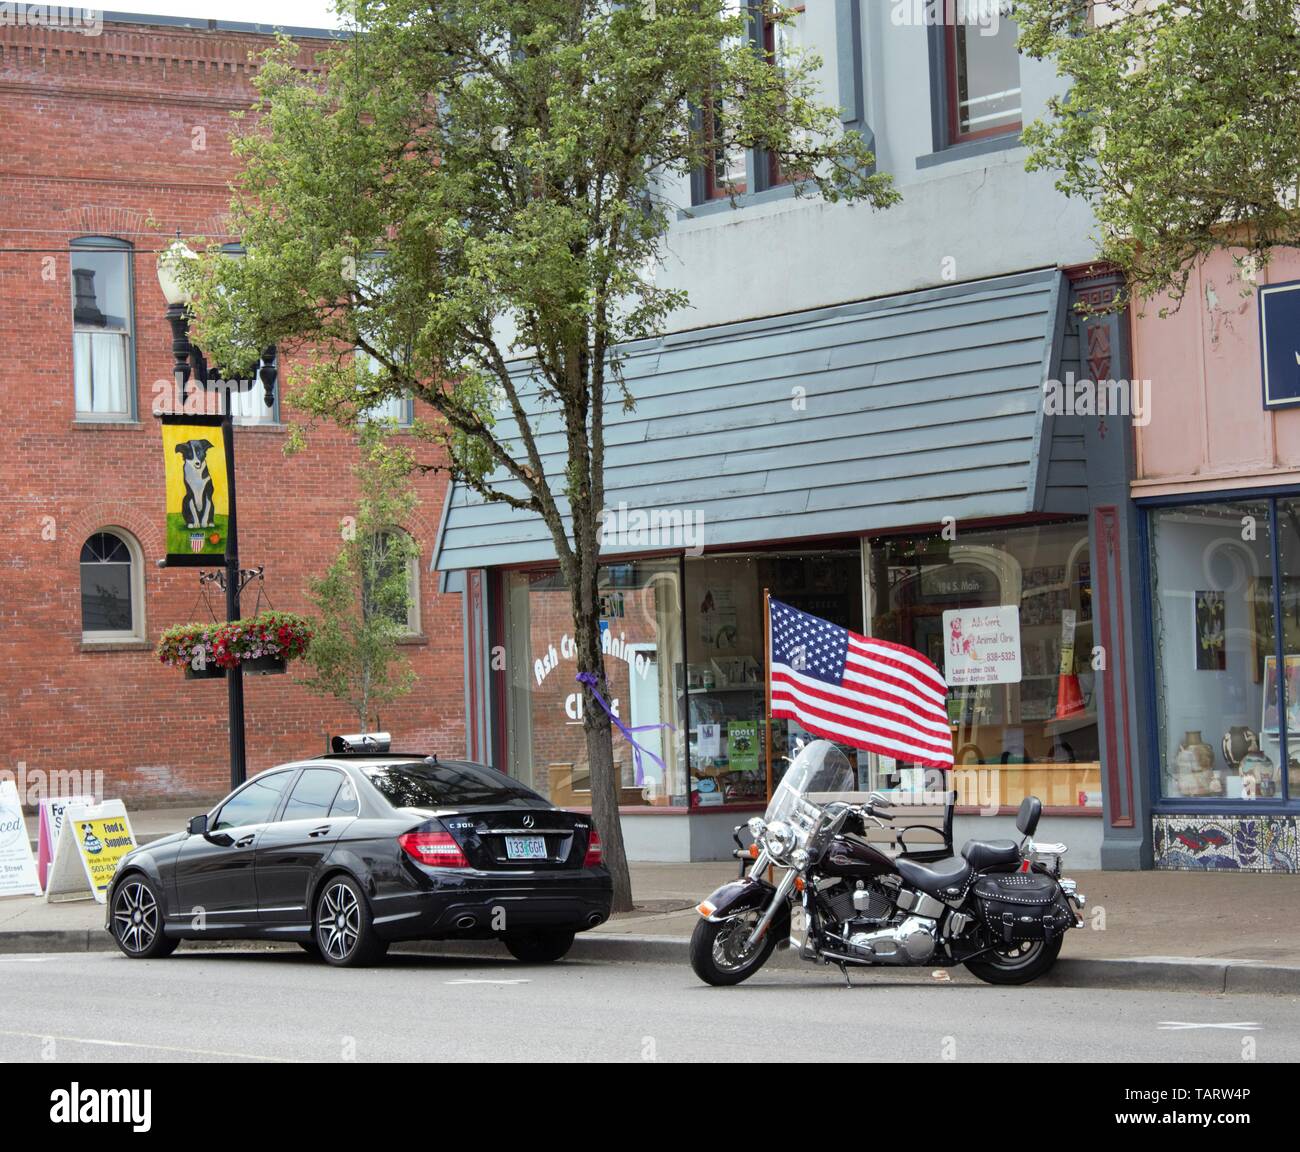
x,y
911,942
879,928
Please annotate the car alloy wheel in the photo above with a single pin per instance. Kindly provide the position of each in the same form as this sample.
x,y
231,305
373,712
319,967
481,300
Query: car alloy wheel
x,y
137,921
345,933
135,916
339,922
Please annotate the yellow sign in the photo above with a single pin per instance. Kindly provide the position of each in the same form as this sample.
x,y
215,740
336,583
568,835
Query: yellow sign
x,y
91,843
198,489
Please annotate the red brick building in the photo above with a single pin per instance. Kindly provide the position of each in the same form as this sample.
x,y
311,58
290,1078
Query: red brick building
x,y
111,140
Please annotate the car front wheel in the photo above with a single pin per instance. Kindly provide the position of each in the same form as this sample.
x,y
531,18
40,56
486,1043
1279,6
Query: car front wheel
x,y
345,931
138,920
539,947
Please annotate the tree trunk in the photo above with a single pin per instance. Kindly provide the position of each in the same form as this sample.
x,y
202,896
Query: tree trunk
x,y
605,785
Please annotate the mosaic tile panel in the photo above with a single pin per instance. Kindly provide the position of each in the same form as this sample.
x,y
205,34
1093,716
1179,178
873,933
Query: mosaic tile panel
x,y
1226,843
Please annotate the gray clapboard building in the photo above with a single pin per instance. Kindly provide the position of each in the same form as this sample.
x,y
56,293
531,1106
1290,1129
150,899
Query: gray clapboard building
x,y
850,416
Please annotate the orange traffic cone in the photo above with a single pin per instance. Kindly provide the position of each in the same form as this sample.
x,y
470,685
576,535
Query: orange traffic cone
x,y
1069,696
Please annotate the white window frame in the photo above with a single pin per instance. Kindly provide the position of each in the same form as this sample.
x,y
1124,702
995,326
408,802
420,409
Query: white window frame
x,y
138,629
124,249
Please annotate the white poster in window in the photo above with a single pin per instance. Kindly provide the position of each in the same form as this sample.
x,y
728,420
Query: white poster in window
x,y
710,742
982,646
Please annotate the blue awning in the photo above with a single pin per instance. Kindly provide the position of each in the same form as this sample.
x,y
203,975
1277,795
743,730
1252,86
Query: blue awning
x,y
846,420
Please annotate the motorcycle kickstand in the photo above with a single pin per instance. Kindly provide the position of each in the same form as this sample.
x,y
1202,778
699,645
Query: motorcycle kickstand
x,y
845,969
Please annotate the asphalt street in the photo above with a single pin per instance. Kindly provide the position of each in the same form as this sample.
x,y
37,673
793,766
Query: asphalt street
x,y
279,1005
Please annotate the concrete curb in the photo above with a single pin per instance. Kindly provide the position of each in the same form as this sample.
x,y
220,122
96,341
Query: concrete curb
x,y
1171,973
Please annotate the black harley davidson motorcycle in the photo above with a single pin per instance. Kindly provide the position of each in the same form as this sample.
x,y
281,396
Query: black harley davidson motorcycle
x,y
1002,908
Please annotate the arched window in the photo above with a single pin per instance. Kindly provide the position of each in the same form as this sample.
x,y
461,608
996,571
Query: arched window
x,y
392,579
103,353
112,587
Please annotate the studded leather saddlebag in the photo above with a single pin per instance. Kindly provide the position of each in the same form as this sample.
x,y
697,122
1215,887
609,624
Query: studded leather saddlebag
x,y
1023,906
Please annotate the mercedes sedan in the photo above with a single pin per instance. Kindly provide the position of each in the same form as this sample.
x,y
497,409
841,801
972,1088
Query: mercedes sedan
x,y
349,853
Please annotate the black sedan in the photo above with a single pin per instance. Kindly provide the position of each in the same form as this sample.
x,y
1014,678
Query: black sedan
x,y
347,854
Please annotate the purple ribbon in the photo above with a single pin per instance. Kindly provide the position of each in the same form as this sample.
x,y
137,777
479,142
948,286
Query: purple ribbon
x,y
589,679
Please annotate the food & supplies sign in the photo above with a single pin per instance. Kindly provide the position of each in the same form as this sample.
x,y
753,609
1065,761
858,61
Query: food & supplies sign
x,y
91,843
982,646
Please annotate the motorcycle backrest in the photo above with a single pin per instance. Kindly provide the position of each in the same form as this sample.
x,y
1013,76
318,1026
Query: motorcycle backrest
x,y
1031,808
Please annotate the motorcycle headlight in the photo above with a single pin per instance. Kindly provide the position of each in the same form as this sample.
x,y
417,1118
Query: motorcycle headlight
x,y
799,858
756,827
778,839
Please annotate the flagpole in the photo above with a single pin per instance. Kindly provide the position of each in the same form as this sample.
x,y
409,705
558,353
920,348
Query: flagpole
x,y
767,684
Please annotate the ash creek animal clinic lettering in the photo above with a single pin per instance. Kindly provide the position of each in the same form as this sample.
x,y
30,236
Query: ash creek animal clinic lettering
x,y
77,1105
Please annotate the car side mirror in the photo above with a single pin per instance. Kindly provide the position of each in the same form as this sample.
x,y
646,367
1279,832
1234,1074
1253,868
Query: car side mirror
x,y
199,825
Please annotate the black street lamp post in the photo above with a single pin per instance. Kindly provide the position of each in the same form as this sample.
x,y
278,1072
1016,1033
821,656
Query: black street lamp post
x,y
192,366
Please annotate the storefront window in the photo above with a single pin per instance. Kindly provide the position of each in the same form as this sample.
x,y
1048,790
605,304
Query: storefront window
x,y
724,647
641,633
1215,631
1006,615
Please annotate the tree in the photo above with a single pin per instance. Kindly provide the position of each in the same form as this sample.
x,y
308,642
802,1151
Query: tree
x,y
363,597
476,185
1179,127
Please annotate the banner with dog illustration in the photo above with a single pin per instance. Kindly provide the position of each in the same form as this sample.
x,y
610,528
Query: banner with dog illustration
x,y
198,490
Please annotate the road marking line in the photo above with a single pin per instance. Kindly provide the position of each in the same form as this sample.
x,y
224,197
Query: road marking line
x,y
149,1047
1183,1026
487,981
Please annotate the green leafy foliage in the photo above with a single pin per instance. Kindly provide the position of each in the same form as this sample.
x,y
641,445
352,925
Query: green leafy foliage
x,y
472,183
1180,127
362,599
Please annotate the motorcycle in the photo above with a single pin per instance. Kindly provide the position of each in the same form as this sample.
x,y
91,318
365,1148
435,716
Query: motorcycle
x,y
1002,908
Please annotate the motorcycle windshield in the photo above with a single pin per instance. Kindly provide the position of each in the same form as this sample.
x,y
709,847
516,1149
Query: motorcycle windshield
x,y
819,767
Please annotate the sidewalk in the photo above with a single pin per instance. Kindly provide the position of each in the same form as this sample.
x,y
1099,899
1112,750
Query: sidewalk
x,y
1214,931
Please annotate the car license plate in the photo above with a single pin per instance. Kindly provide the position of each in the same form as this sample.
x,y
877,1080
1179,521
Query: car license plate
x,y
525,848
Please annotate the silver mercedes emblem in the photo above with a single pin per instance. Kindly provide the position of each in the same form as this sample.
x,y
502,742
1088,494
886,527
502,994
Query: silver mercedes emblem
x,y
528,821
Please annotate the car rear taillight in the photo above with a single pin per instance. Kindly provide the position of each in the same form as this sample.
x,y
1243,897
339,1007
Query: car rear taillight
x,y
595,855
436,849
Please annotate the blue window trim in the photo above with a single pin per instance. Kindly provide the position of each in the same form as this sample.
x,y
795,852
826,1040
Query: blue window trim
x,y
112,244
851,79
1286,804
941,130
970,148
849,69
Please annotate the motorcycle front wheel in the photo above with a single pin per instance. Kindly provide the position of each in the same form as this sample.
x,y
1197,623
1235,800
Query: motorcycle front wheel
x,y
1017,963
718,953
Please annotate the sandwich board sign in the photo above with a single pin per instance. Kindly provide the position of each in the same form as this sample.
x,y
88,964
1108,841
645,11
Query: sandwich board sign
x,y
17,868
91,842
47,835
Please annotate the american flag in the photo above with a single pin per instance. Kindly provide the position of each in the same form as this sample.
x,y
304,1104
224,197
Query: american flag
x,y
868,693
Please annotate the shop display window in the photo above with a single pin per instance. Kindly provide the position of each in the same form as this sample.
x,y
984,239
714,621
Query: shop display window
x,y
1006,615
1225,678
725,674
641,632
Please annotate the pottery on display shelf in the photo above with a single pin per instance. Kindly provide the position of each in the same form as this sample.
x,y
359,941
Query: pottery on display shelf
x,y
1237,741
1194,766
1257,768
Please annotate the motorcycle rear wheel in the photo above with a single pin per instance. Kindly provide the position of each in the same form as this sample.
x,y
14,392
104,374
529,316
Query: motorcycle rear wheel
x,y
717,954
1017,963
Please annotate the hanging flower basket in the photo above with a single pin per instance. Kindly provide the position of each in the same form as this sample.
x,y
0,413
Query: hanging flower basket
x,y
211,672
189,646
265,666
262,644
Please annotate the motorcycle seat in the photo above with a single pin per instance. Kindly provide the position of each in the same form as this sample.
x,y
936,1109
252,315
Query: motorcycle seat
x,y
936,878
990,853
